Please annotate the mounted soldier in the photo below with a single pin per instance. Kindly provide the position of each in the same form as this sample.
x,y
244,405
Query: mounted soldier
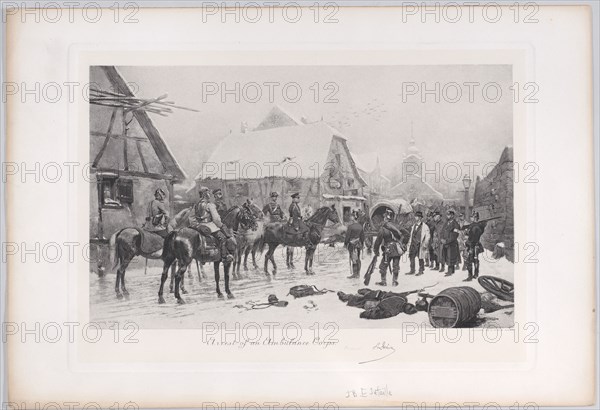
x,y
206,219
295,212
273,210
220,202
157,219
389,239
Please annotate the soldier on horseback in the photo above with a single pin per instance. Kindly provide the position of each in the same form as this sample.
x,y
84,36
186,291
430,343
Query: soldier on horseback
x,y
220,202
295,212
205,218
157,220
273,210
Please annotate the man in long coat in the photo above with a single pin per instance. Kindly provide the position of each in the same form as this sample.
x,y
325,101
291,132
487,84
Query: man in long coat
x,y
473,245
354,242
436,245
418,244
449,239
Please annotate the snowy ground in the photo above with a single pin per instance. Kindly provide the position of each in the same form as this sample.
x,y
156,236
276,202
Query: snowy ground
x,y
331,269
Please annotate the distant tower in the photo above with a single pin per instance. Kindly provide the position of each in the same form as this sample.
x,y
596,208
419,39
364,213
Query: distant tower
x,y
412,161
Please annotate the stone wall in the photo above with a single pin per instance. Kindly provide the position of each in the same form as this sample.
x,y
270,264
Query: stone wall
x,y
494,197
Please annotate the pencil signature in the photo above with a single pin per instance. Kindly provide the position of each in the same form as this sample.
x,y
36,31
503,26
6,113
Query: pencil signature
x,y
381,347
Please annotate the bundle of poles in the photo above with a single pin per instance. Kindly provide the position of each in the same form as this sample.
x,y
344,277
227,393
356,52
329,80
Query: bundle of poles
x,y
130,103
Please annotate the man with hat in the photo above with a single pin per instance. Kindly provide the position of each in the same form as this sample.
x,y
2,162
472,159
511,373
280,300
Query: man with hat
x,y
295,212
157,219
354,242
273,210
418,244
389,240
205,217
449,240
473,245
435,229
220,202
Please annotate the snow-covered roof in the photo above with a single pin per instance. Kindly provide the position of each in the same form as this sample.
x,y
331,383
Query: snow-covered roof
x,y
297,151
277,117
366,162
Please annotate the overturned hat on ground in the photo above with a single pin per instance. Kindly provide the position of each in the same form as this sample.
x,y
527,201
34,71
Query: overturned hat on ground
x,y
274,194
295,195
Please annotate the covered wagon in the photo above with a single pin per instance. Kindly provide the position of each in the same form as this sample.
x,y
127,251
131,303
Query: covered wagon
x,y
401,209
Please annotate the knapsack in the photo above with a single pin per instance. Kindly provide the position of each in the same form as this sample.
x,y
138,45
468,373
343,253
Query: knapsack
x,y
300,291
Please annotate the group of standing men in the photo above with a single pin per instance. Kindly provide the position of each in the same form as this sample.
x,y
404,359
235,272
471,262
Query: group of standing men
x,y
435,241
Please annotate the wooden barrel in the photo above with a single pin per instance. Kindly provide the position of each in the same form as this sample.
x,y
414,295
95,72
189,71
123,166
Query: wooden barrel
x,y
454,307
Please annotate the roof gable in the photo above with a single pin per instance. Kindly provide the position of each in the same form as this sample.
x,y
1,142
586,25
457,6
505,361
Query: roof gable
x,y
277,117
142,151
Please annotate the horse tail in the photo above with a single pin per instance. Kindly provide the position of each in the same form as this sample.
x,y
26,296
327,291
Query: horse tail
x,y
113,251
259,244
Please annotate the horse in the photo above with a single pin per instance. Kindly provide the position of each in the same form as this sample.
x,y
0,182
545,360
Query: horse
x,y
186,244
248,240
126,244
277,233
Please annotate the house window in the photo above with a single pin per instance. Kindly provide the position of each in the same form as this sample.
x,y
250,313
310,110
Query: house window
x,y
115,191
125,190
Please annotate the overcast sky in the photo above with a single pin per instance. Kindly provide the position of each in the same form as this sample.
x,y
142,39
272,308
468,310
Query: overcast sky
x,y
369,110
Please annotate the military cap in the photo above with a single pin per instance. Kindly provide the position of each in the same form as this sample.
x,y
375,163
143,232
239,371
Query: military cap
x,y
274,194
295,195
216,190
419,214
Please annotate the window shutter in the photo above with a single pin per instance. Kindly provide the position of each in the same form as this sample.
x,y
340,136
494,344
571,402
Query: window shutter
x,y
125,190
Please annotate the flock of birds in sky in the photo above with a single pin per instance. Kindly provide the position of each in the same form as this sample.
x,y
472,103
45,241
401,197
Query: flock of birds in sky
x,y
374,110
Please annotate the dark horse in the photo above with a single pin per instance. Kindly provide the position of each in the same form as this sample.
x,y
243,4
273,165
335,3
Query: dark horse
x,y
126,244
280,233
188,244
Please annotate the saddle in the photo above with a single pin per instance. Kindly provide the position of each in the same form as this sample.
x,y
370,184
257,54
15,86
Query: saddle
x,y
293,235
209,248
152,241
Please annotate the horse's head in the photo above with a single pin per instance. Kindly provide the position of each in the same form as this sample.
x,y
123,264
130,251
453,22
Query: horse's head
x,y
333,215
247,218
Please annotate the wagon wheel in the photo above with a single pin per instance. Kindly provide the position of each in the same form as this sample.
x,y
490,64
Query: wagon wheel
x,y
501,288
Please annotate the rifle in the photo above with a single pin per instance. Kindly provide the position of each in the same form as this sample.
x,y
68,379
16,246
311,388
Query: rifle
x,y
370,270
481,221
